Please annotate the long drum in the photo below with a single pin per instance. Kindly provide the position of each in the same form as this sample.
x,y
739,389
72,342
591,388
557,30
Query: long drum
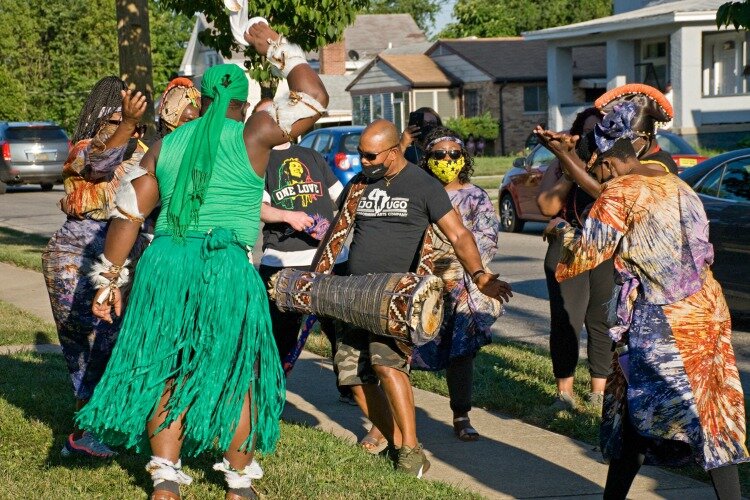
x,y
405,306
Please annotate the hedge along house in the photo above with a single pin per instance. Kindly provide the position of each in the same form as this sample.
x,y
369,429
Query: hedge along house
x,y
659,42
507,77
395,84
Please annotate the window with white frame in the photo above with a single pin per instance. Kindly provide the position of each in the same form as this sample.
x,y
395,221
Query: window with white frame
x,y
726,64
535,99
653,64
443,101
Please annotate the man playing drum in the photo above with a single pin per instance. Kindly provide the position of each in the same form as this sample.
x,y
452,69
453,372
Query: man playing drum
x,y
395,210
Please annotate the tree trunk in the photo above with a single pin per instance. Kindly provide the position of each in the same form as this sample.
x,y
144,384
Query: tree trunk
x,y
134,40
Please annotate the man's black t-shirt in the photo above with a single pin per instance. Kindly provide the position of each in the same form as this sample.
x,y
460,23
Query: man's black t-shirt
x,y
391,221
297,178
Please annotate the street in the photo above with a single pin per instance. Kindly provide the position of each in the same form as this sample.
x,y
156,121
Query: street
x,y
520,262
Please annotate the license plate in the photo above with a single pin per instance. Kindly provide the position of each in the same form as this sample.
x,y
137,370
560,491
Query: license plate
x,y
688,162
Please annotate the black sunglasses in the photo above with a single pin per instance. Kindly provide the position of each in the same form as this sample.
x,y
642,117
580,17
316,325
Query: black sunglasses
x,y
372,156
439,154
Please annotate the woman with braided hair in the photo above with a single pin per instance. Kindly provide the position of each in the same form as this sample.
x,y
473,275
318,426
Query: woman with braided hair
x,y
468,313
98,166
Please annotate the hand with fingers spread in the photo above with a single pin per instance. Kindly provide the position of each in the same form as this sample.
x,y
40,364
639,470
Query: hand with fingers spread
x,y
133,107
104,300
491,286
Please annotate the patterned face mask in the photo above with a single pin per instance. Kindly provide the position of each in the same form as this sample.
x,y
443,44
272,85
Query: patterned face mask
x,y
446,170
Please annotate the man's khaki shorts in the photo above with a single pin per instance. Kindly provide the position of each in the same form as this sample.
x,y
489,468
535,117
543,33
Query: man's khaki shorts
x,y
358,350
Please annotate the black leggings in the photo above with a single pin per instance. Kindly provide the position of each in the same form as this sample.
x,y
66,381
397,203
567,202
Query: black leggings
x,y
622,471
573,303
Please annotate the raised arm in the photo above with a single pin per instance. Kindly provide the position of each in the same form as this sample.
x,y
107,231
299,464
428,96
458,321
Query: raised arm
x,y
563,146
293,114
468,255
554,190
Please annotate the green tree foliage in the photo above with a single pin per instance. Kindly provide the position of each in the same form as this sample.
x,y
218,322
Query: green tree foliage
x,y
488,18
484,126
53,52
423,11
309,23
735,13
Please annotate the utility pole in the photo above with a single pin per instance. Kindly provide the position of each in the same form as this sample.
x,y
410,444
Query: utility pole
x,y
134,41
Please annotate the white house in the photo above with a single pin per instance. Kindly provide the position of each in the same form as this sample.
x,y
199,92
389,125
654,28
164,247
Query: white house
x,y
659,42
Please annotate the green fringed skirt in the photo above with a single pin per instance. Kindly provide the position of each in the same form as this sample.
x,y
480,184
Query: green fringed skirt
x,y
197,319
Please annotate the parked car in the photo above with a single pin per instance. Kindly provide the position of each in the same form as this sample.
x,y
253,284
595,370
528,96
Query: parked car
x,y
723,185
520,186
32,153
683,154
338,145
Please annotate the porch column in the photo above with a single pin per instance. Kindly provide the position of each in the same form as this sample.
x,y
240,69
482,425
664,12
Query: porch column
x,y
620,63
686,49
559,83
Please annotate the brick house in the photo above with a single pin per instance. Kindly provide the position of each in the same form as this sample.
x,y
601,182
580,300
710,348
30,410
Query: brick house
x,y
508,78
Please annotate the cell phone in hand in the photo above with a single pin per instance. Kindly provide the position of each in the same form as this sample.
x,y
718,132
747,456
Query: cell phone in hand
x,y
416,118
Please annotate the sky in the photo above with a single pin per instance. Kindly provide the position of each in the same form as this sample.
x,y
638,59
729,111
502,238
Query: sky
x,y
444,16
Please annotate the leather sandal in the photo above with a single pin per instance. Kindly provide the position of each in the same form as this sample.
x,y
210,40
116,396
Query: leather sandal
x,y
372,445
463,430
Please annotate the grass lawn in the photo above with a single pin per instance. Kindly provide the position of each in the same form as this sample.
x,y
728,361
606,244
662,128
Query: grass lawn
x,y
516,379
492,165
36,411
22,249
19,327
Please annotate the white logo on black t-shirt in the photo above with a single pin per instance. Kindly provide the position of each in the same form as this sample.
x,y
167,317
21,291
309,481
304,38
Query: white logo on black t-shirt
x,y
379,204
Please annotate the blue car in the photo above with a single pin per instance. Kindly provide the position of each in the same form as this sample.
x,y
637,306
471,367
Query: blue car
x,y
338,145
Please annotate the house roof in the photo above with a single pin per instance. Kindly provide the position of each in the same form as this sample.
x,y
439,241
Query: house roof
x,y
412,48
336,85
420,70
370,34
656,13
515,59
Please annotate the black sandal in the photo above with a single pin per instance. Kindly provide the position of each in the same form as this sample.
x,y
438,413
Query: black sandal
x,y
463,429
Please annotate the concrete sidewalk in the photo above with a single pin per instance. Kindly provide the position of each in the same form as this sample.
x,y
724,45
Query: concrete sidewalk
x,y
511,460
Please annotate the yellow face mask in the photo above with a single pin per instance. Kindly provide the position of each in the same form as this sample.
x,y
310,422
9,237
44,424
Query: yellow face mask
x,y
446,170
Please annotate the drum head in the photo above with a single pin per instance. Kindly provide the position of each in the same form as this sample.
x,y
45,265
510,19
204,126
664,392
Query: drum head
x,y
432,315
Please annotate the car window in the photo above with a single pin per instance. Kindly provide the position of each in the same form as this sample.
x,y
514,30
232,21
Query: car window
x,y
674,144
735,184
308,140
710,184
542,156
35,134
349,143
322,143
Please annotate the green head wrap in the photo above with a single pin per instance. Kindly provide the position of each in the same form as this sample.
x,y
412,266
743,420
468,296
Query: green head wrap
x,y
222,84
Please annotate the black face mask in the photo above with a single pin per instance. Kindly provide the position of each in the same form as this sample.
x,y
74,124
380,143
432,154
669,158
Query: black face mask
x,y
130,149
374,171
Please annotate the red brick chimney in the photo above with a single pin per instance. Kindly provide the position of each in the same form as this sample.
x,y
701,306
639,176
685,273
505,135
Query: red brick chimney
x,y
333,59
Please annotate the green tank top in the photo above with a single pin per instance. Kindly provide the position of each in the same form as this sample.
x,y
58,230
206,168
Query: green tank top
x,y
234,193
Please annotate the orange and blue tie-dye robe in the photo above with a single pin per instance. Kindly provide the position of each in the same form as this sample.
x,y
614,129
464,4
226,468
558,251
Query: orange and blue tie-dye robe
x,y
683,393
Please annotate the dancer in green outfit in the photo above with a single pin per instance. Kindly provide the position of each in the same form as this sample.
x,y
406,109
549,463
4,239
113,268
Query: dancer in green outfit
x,y
196,366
